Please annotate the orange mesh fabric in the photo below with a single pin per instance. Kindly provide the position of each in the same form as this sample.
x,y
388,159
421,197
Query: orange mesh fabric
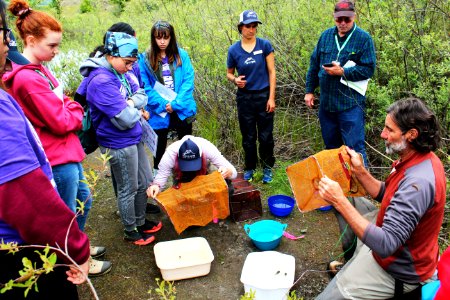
x,y
305,175
197,202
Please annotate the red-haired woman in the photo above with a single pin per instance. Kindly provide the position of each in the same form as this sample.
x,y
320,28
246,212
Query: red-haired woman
x,y
55,116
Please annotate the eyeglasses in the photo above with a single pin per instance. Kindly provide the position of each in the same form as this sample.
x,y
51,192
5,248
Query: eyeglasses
x,y
251,25
6,34
128,62
343,19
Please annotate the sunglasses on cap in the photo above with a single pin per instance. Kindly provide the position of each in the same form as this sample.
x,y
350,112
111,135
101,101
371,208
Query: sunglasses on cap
x,y
343,19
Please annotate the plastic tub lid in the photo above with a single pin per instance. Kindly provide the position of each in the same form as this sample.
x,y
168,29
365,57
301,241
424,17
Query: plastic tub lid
x,y
268,270
183,253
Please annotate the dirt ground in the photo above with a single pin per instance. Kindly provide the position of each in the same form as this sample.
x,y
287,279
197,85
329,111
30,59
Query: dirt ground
x,y
134,268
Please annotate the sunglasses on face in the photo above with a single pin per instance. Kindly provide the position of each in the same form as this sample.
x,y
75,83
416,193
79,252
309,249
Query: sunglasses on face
x,y
6,34
343,19
251,25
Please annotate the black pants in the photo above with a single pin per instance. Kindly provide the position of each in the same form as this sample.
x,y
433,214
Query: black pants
x,y
254,123
53,285
182,128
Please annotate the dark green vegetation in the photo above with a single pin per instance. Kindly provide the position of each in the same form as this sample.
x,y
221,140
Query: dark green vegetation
x,y
413,52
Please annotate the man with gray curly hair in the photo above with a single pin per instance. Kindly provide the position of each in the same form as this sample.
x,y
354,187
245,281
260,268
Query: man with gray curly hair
x,y
399,251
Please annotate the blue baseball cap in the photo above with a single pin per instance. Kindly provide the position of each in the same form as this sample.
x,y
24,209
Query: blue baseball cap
x,y
13,53
247,17
189,156
120,44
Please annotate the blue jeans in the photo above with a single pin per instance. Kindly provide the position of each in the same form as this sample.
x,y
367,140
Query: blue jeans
x,y
71,185
344,128
133,174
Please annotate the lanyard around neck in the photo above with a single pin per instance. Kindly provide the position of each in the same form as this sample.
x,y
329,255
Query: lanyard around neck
x,y
124,82
340,48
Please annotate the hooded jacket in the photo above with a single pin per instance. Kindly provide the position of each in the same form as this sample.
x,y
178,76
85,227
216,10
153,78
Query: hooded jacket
x,y
116,124
55,117
184,104
31,211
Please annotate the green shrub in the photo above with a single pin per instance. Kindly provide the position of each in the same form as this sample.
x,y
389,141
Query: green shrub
x,y
86,6
65,68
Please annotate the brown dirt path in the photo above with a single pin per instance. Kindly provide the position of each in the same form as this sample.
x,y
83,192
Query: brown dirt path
x,y
134,268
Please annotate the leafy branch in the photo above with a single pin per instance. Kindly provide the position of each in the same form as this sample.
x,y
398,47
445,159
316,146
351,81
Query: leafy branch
x,y
30,273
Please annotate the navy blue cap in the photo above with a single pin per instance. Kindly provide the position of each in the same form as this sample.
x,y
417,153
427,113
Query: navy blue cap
x,y
13,54
189,157
247,17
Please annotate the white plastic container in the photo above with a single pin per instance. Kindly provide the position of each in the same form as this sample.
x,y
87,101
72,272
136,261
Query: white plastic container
x,y
184,258
270,274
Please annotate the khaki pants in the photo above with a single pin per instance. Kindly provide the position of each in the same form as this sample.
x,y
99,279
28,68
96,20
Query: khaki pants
x,y
362,277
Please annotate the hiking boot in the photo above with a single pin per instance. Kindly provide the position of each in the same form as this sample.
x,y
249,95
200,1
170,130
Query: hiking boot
x,y
98,267
267,175
137,238
149,227
152,209
97,251
248,175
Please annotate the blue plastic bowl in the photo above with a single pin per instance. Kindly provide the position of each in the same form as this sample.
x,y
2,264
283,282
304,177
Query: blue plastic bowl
x,y
280,205
265,234
325,208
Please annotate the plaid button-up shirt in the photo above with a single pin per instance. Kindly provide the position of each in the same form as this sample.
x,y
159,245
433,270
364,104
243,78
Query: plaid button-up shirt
x,y
335,96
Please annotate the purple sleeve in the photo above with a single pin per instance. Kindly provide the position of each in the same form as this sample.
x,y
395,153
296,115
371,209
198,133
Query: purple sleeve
x,y
410,202
106,96
20,148
39,215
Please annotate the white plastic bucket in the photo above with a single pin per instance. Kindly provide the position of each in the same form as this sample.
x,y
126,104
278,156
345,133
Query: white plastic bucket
x,y
270,274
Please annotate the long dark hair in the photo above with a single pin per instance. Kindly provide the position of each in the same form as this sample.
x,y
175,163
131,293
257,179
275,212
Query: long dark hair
x,y
117,27
162,29
411,112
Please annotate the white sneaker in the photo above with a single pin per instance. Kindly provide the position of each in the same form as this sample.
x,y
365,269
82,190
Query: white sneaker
x,y
98,267
97,251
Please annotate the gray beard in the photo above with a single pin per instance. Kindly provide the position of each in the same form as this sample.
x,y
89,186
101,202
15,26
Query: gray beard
x,y
396,148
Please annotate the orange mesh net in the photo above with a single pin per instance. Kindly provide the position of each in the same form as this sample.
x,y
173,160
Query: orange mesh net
x,y
305,175
197,202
